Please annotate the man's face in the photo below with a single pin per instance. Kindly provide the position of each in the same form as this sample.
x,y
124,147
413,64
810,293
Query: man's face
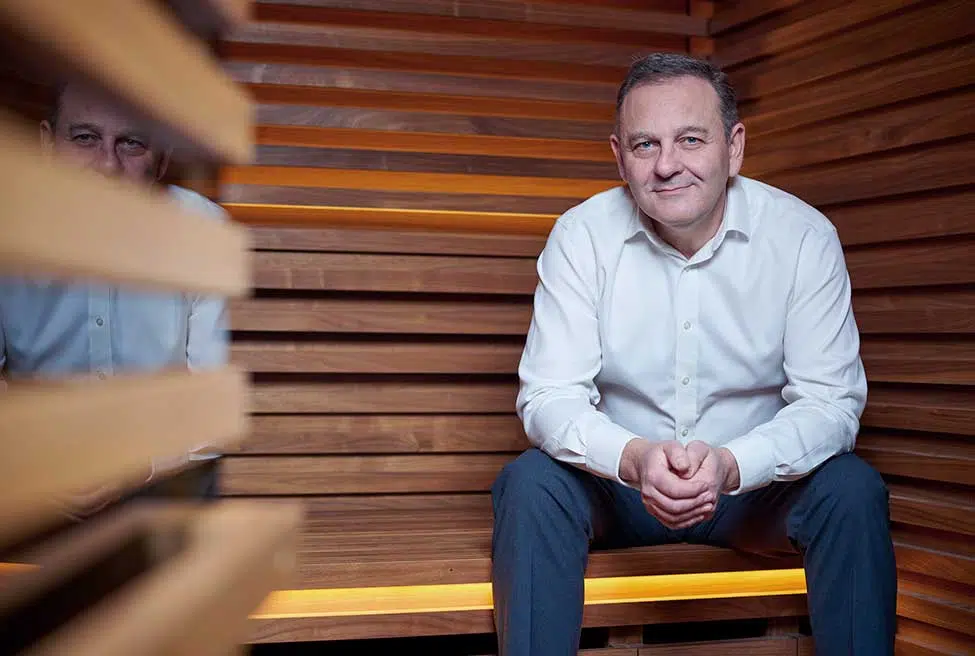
x,y
94,134
672,151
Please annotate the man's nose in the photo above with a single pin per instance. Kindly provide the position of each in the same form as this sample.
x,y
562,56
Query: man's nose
x,y
668,162
107,162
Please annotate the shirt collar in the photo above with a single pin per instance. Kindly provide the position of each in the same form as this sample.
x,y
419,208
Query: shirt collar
x,y
737,219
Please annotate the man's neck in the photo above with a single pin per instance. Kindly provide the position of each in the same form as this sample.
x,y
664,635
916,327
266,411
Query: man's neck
x,y
689,239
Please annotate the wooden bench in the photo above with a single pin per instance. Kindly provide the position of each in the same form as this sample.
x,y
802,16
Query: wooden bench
x,y
384,367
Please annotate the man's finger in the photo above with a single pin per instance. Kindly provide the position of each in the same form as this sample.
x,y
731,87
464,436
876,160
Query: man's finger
x,y
683,520
674,506
676,456
693,521
696,451
675,487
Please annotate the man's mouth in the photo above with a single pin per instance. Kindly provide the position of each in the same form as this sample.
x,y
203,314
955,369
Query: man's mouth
x,y
670,190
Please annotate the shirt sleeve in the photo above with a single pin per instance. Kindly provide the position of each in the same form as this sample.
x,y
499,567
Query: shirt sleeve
x,y
557,398
826,388
206,335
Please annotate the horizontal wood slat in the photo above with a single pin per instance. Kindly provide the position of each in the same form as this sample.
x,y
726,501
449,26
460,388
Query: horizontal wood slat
x,y
384,397
940,509
377,358
897,127
418,62
394,273
941,361
71,35
928,456
951,557
443,317
126,421
926,600
360,474
940,215
67,222
887,174
941,262
925,73
365,434
930,25
209,17
732,51
729,16
418,142
311,216
540,14
933,409
441,183
919,639
916,311
439,103
654,29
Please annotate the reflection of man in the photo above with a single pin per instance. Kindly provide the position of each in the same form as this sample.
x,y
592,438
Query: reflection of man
x,y
692,374
54,329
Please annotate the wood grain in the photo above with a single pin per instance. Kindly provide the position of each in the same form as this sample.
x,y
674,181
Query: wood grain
x,y
947,556
419,62
927,601
930,215
394,273
421,142
384,397
440,183
921,310
938,508
732,16
928,456
936,361
922,409
395,241
919,639
389,316
377,357
371,434
913,264
439,103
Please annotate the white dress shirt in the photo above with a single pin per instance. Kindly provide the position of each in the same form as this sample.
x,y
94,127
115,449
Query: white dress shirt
x,y
750,344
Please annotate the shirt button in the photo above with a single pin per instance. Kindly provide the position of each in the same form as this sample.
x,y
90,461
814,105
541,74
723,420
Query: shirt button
x,y
684,433
685,380
99,321
687,325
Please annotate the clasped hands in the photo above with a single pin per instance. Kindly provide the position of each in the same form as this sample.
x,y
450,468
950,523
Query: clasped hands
x,y
680,486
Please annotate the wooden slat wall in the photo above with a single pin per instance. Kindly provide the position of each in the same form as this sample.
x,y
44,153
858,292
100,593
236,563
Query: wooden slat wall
x,y
861,109
384,361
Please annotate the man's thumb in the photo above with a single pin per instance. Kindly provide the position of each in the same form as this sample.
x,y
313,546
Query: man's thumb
x,y
677,456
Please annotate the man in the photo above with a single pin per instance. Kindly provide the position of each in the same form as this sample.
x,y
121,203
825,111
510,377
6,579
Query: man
x,y
691,374
55,329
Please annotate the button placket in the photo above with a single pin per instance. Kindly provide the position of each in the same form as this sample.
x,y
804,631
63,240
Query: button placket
x,y
685,372
100,338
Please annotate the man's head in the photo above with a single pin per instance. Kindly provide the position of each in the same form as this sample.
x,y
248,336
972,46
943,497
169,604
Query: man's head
x,y
90,130
678,139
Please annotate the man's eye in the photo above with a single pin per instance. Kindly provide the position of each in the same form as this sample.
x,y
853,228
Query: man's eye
x,y
84,139
644,145
692,141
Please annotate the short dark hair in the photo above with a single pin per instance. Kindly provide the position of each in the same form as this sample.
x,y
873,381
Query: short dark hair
x,y
54,110
662,66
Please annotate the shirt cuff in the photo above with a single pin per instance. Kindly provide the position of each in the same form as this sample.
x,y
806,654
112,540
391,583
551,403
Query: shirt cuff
x,y
604,449
756,462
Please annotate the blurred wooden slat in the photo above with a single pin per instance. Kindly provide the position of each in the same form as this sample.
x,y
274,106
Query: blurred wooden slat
x,y
938,262
241,550
885,174
391,316
936,409
919,639
418,62
890,128
418,142
940,509
728,16
69,223
941,361
209,18
927,72
655,30
357,474
311,216
917,311
104,432
733,51
384,397
439,103
951,556
441,242
925,600
930,25
172,66
443,183
941,215
376,358
928,456
394,273
365,434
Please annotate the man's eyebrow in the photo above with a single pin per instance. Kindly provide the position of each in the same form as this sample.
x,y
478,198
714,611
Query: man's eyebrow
x,y
639,136
696,129
91,127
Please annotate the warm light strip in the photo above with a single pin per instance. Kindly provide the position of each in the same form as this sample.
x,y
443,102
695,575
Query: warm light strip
x,y
347,602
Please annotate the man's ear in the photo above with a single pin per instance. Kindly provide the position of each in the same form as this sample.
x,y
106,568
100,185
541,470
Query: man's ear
x,y
163,163
614,143
47,136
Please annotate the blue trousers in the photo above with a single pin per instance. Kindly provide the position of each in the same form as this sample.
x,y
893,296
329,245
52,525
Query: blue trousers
x,y
547,515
